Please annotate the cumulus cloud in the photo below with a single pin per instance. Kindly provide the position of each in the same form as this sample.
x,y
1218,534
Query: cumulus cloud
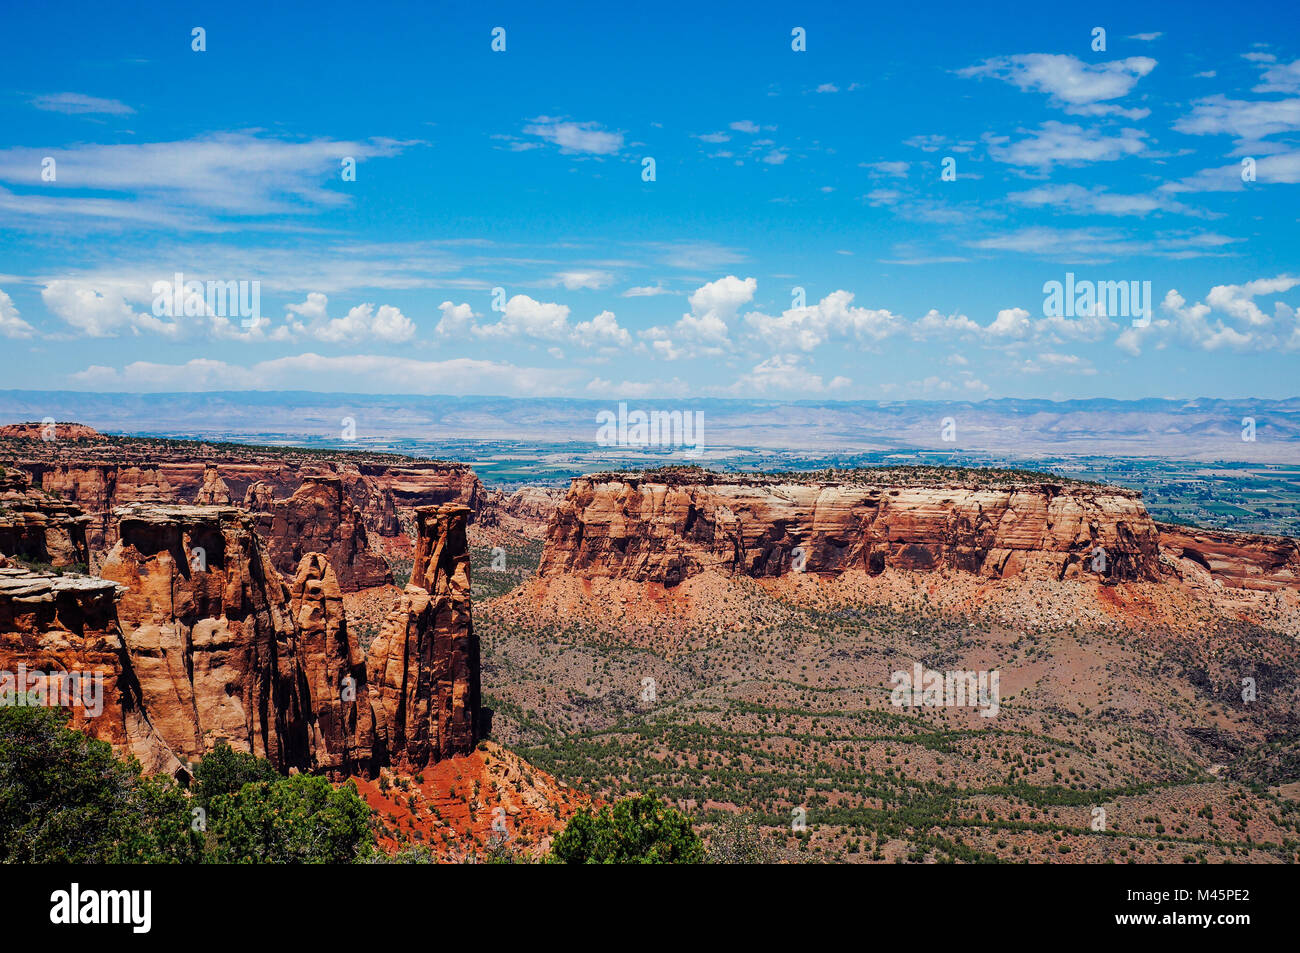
x,y
705,328
787,373
807,328
524,319
107,307
361,323
1228,319
11,324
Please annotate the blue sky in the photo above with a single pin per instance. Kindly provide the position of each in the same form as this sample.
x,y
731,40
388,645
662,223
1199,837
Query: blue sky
x,y
775,169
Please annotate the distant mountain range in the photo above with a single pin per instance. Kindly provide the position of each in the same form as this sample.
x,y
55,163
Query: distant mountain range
x,y
1243,429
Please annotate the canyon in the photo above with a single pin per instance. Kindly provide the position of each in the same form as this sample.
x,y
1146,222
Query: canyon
x,y
200,640
256,607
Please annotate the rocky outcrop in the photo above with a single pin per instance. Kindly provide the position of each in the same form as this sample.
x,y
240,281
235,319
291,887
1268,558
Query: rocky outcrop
x,y
341,717
1239,560
526,512
102,474
200,640
48,432
207,626
319,518
53,627
665,526
37,527
214,491
424,664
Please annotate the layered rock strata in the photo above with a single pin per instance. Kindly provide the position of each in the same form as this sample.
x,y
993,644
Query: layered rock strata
x,y
37,527
665,527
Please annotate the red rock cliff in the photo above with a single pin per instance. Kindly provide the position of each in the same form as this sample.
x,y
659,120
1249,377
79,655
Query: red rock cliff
x,y
319,518
1239,560
102,474
424,664
37,527
666,526
207,625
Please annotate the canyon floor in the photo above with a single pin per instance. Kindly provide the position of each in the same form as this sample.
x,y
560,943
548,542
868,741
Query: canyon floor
x,y
1122,734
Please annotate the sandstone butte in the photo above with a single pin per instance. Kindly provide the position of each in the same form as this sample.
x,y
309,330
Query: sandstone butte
x,y
200,640
100,474
665,526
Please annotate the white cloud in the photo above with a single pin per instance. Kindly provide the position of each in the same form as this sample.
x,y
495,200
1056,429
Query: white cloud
x,y
226,173
11,325
457,319
704,329
602,331
107,307
785,372
809,327
526,319
895,169
646,291
576,137
745,125
77,104
828,88
361,323
1282,168
1246,120
1067,79
1280,78
1228,319
1062,143
1081,200
1087,245
573,280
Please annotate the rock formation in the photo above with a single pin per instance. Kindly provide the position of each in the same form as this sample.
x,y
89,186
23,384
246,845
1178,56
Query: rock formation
x,y
526,512
1239,560
665,526
424,664
208,628
58,625
37,527
319,518
214,491
342,718
100,474
200,640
